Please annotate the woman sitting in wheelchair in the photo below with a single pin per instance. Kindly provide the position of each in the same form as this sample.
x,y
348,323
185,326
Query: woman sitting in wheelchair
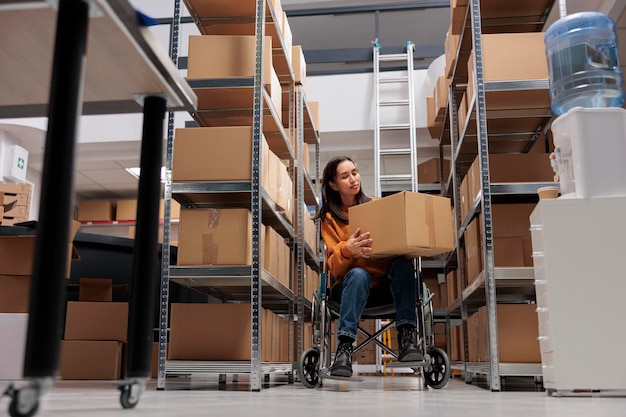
x,y
357,279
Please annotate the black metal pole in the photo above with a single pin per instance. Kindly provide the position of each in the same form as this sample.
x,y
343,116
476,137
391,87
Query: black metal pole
x,y
145,278
47,298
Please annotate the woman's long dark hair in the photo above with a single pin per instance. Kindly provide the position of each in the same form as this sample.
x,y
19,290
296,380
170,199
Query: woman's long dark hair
x,y
331,200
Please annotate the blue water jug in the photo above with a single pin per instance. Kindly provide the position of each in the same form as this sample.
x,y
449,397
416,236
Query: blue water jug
x,y
583,65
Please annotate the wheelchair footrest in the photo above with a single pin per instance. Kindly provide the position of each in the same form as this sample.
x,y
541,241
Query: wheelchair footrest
x,y
325,374
412,364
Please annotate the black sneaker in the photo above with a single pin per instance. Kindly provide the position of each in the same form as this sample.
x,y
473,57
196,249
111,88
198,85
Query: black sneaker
x,y
342,366
408,351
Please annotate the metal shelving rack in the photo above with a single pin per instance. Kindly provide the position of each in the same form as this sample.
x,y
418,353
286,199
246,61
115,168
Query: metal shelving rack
x,y
493,285
248,283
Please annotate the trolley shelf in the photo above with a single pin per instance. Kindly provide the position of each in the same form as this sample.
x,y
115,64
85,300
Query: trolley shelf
x,y
226,367
506,369
227,17
232,283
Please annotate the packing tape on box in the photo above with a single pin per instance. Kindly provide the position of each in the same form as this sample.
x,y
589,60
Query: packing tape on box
x,y
209,250
214,218
430,217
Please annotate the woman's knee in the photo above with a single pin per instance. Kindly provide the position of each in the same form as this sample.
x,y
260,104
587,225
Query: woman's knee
x,y
359,277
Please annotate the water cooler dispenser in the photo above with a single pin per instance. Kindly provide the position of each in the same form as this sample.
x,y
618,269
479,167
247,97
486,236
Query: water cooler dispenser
x,y
586,91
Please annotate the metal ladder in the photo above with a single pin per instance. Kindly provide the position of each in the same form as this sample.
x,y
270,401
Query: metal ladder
x,y
406,102
409,147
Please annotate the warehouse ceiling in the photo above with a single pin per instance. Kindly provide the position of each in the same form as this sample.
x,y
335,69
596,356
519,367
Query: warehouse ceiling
x,y
336,37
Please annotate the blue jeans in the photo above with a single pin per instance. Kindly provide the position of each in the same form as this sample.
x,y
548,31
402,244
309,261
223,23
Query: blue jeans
x,y
355,292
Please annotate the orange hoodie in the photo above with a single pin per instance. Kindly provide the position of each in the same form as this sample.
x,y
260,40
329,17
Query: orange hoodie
x,y
339,259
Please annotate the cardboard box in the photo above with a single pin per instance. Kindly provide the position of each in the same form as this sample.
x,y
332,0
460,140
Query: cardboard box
x,y
298,64
215,237
90,359
126,210
14,293
216,154
95,289
407,223
17,253
95,210
428,172
518,330
314,108
194,327
96,321
514,56
227,56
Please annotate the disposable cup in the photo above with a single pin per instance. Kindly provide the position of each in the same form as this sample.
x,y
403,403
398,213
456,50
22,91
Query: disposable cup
x,y
548,192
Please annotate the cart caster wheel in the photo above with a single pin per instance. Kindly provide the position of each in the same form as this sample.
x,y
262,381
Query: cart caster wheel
x,y
437,372
308,368
129,395
24,402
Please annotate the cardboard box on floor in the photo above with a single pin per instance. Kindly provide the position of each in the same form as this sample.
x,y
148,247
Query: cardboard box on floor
x,y
407,223
87,320
90,359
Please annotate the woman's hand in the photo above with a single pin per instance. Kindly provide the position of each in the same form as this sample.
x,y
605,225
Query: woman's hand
x,y
360,244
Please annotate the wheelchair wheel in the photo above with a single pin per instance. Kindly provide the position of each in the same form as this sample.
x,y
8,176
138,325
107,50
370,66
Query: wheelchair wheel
x,y
437,372
309,367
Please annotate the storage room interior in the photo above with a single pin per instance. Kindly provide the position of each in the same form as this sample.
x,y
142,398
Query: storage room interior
x,y
510,208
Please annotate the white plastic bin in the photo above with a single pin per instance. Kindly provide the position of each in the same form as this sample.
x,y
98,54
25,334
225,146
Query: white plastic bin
x,y
592,147
13,328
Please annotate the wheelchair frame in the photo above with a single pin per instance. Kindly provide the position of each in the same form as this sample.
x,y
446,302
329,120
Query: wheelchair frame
x,y
314,363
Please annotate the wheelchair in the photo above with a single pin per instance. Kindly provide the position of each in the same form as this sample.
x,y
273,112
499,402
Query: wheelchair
x,y
314,363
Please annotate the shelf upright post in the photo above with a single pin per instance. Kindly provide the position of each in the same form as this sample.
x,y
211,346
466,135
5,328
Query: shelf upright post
x,y
300,262
257,131
167,210
483,154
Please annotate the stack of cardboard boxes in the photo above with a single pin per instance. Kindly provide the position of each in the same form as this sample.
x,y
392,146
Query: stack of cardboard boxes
x,y
221,151
505,57
16,262
15,207
95,333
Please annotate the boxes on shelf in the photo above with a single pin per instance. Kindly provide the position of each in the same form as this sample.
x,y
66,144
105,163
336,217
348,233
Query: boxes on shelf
x,y
514,56
95,211
193,328
225,154
215,154
518,330
406,223
507,168
227,56
298,64
511,239
215,237
430,171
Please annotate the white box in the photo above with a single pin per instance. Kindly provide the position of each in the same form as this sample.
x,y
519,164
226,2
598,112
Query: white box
x,y
591,149
13,328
